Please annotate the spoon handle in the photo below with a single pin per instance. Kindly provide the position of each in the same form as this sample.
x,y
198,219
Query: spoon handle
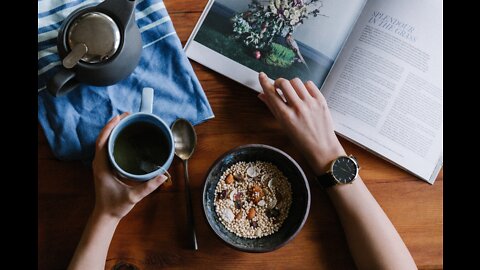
x,y
190,219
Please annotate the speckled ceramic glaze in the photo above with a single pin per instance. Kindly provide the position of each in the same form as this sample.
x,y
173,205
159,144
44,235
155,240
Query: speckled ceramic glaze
x,y
300,200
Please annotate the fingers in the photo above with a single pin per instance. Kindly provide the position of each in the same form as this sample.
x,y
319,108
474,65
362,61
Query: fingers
x,y
271,98
300,88
105,132
265,83
148,187
312,89
287,89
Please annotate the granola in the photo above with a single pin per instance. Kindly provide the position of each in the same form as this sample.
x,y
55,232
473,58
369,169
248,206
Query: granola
x,y
252,199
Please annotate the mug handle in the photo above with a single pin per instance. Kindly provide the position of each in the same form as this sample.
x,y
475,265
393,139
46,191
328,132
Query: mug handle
x,y
62,82
168,184
147,100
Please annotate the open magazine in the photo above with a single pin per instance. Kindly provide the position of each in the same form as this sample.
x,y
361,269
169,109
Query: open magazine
x,y
379,64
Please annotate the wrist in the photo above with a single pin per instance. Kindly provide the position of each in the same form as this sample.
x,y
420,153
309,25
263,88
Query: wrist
x,y
104,216
324,158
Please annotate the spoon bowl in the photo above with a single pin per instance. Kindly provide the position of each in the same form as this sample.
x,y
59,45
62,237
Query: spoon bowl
x,y
185,138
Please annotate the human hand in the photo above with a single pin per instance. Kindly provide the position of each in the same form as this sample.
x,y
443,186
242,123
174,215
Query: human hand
x,y
112,196
305,117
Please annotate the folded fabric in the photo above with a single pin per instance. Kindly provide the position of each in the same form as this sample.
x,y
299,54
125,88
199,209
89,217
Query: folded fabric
x,y
72,122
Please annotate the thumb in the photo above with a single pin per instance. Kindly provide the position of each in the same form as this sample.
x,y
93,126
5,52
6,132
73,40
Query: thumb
x,y
141,191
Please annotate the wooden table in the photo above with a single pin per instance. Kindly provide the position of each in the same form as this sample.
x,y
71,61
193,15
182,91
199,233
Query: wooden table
x,y
154,234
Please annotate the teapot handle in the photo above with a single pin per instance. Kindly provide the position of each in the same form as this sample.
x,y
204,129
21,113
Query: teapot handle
x,y
62,82
122,10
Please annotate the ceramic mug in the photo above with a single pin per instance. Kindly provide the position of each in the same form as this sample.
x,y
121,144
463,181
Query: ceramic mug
x,y
147,117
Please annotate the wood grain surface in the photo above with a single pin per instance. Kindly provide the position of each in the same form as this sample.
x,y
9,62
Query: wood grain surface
x,y
153,235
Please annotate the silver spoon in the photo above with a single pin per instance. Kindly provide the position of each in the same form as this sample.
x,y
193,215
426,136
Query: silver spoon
x,y
185,140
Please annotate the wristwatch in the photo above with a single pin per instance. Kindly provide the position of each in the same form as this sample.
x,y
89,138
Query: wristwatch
x,y
343,170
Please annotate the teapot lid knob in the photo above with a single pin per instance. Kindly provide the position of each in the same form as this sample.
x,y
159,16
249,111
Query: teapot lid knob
x,y
98,32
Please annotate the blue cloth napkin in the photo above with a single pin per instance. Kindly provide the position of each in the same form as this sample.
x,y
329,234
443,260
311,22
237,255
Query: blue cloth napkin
x,y
72,122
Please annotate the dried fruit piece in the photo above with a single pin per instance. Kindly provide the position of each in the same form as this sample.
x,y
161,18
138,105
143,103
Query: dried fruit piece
x,y
238,215
254,224
251,213
222,194
238,177
238,205
229,179
238,196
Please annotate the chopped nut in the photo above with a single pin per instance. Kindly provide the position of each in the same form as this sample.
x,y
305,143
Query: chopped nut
x,y
256,188
261,203
251,213
252,171
231,195
229,179
227,215
271,184
272,203
257,193
238,215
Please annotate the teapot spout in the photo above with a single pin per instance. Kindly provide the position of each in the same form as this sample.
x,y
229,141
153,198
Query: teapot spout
x,y
122,11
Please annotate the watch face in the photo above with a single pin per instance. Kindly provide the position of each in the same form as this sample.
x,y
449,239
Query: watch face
x,y
344,170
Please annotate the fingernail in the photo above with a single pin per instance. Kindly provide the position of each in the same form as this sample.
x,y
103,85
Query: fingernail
x,y
163,178
262,75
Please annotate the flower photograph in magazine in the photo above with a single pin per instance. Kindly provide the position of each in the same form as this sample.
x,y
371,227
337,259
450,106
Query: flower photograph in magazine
x,y
283,38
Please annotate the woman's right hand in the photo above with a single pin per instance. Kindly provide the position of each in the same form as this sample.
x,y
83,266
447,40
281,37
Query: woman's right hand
x,y
305,117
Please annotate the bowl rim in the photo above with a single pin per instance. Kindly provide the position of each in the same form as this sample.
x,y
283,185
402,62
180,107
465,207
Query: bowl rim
x,y
304,178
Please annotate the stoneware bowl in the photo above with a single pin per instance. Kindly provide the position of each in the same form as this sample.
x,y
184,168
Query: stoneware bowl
x,y
300,200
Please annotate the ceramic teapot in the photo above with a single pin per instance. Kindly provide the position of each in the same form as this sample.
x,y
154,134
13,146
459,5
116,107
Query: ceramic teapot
x,y
98,44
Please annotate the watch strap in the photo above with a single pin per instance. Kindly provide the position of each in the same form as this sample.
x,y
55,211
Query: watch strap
x,y
326,180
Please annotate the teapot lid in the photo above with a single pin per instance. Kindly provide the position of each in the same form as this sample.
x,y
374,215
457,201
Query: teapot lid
x,y
98,33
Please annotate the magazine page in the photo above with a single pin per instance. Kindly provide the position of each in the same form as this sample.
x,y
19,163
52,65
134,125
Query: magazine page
x,y
283,38
386,88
